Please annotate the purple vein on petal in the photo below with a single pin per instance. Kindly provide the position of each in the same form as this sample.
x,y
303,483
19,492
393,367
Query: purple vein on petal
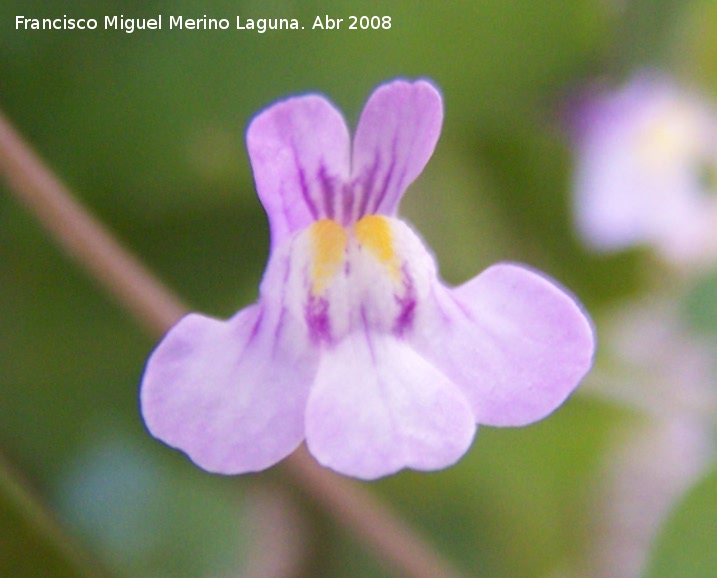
x,y
389,174
327,187
278,330
367,182
367,331
280,322
401,180
257,326
348,198
407,303
304,185
317,317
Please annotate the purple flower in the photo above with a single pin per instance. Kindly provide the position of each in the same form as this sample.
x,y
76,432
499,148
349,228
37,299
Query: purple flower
x,y
355,345
645,170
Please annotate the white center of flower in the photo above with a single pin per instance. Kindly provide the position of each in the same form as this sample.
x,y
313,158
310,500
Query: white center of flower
x,y
670,135
370,275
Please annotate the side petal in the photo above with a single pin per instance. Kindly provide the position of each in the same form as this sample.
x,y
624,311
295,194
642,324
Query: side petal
x,y
299,152
515,343
229,394
377,407
395,136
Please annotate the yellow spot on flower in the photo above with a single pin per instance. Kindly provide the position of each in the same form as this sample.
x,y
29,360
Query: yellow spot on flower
x,y
374,233
671,135
329,245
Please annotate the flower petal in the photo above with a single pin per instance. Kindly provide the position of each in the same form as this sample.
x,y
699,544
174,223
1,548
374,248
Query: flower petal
x,y
377,407
395,136
514,342
299,152
642,155
229,394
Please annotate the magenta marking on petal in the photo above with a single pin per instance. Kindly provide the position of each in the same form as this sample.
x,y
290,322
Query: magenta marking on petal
x,y
407,303
257,326
305,192
317,320
280,325
405,319
381,194
402,178
327,189
348,197
365,183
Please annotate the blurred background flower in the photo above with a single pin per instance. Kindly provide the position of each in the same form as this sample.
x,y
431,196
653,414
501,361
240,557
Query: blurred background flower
x,y
645,170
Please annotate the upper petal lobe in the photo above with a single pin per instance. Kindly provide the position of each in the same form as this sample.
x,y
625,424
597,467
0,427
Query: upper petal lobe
x,y
395,136
299,152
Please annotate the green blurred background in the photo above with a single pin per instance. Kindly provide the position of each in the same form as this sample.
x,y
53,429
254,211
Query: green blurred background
x,y
148,129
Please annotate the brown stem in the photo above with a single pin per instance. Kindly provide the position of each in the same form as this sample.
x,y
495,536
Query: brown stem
x,y
157,309
276,539
368,518
83,237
